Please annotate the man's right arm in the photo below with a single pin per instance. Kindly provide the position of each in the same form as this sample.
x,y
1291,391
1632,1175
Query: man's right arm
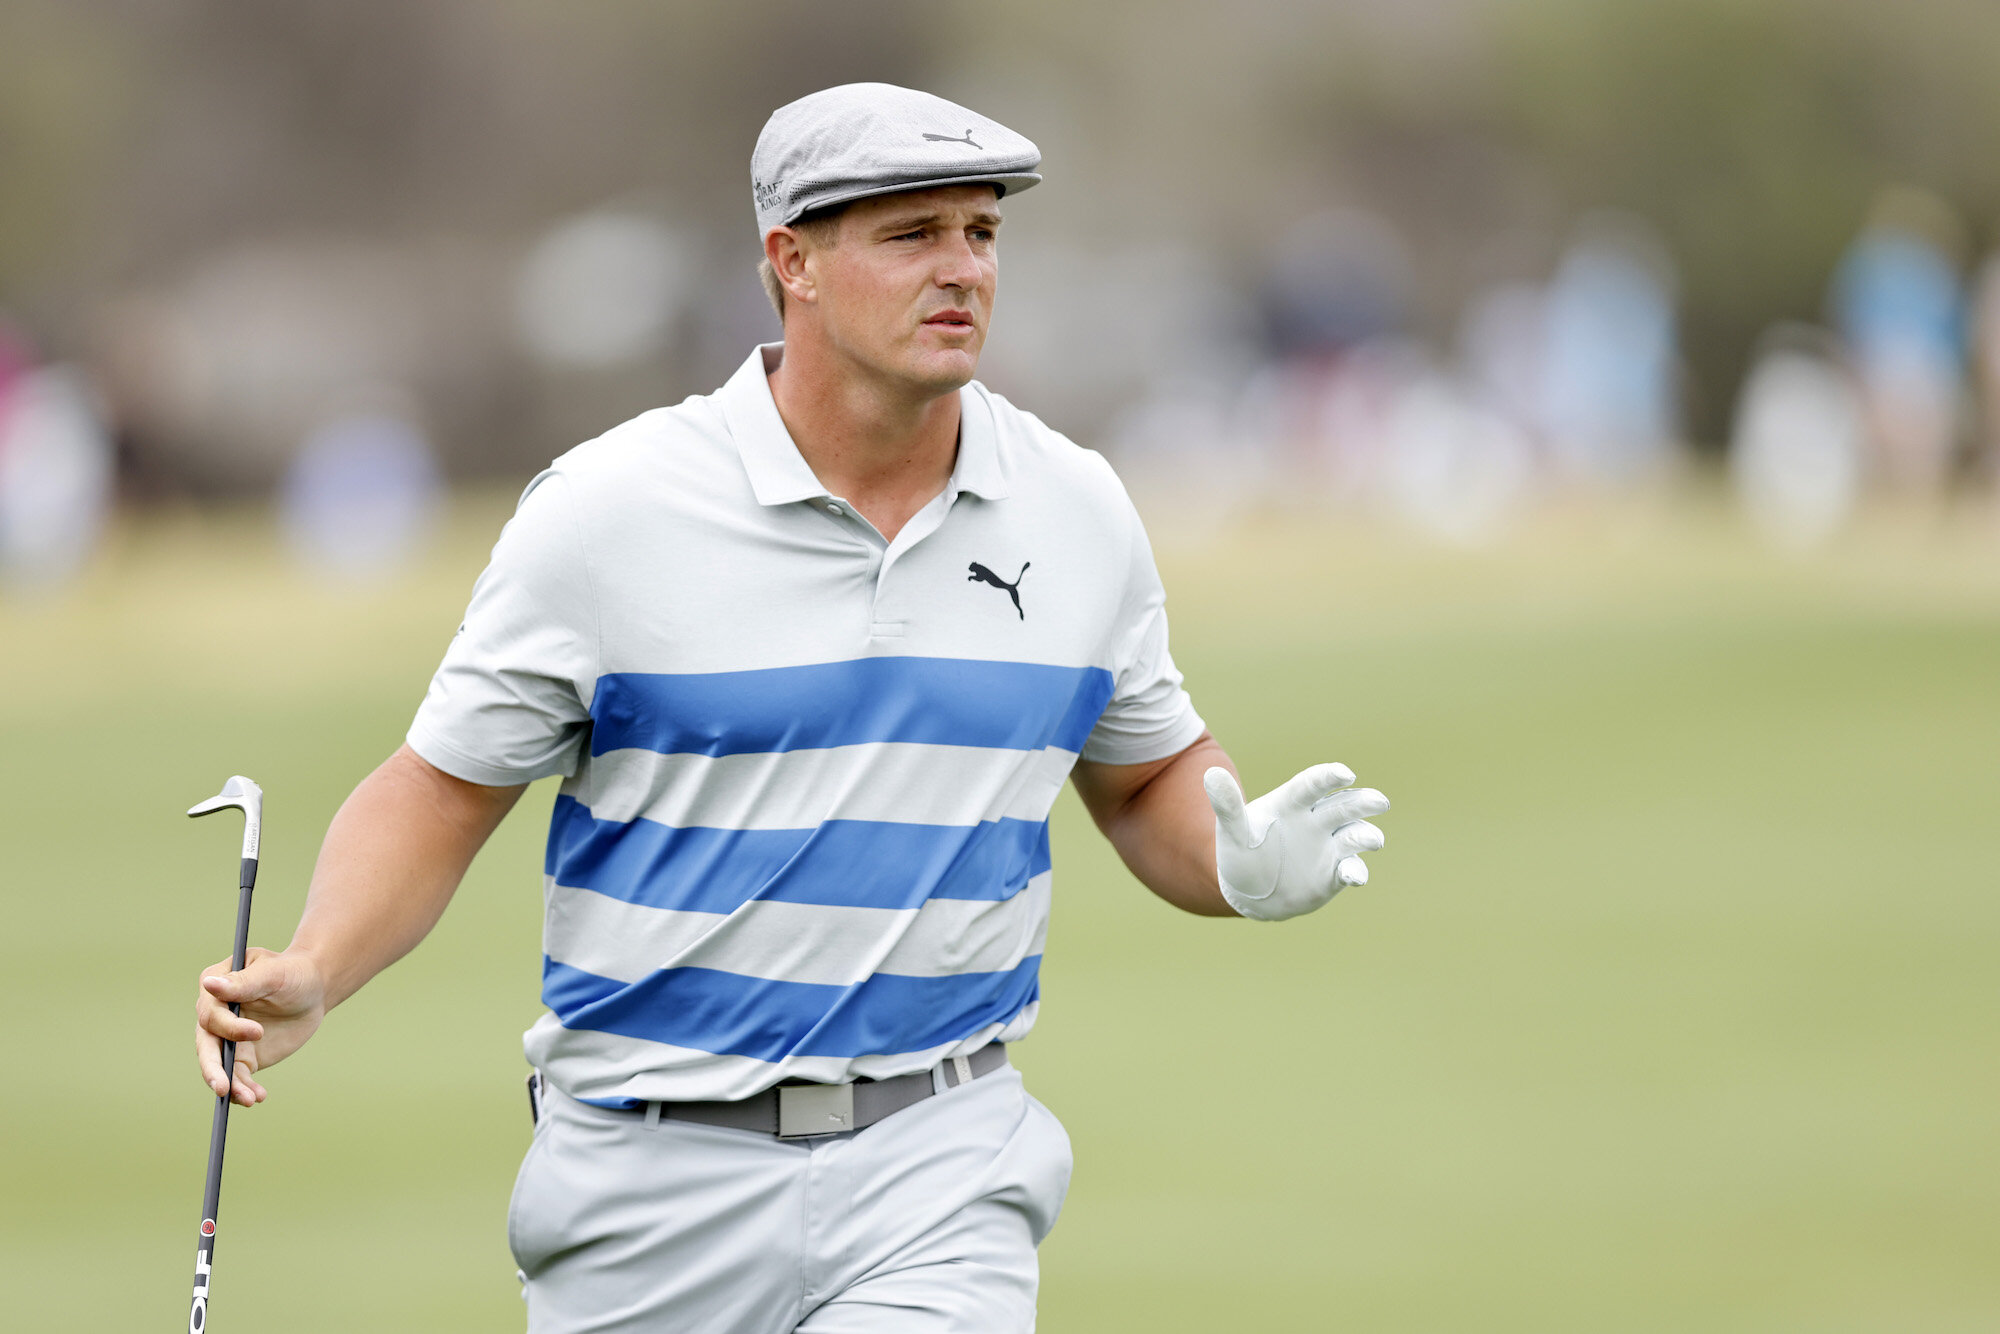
x,y
392,859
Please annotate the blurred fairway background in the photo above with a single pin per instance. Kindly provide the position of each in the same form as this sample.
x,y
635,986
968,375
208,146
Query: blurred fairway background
x,y
1672,1006
1674,1003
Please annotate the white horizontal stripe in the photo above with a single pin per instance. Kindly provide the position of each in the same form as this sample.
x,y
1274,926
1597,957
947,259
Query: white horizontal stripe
x,y
796,942
585,1063
897,781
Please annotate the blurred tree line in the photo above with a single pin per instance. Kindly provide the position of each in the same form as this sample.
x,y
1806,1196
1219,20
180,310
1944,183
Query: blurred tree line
x,y
137,135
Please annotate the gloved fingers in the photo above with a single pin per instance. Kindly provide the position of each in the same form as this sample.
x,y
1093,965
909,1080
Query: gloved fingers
x,y
1359,803
1225,798
1304,789
1350,871
1355,837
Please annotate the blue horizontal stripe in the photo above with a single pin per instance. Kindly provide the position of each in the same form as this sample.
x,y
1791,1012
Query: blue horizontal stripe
x,y
844,863
734,1015
935,701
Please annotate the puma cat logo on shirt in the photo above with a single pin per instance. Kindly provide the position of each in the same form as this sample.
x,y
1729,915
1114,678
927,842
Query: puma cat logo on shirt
x,y
981,575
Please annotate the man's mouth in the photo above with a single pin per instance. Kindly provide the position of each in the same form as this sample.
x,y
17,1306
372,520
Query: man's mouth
x,y
951,319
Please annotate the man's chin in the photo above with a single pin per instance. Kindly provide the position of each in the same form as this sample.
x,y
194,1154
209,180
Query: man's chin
x,y
944,370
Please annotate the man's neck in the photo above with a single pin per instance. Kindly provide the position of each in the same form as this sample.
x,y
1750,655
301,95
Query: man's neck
x,y
883,448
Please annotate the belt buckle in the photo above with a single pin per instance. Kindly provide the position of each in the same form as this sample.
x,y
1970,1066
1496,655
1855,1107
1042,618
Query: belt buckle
x,y
814,1109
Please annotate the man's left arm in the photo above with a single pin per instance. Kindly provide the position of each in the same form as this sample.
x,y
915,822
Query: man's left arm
x,y
1181,825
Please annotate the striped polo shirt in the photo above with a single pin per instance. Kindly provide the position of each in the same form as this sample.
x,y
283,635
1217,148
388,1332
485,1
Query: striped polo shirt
x,y
807,773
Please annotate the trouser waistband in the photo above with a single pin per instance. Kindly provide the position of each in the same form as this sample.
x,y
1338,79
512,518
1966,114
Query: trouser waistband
x,y
802,1110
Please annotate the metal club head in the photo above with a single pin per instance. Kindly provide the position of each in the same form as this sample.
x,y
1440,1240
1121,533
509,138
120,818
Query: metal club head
x,y
246,796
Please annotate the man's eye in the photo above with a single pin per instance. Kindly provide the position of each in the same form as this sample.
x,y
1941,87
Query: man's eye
x,y
909,236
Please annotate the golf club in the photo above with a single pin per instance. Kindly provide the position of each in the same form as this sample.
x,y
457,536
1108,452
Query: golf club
x,y
245,795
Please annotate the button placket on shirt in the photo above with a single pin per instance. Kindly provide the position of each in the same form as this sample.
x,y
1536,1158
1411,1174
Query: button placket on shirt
x,y
878,626
886,620
882,621
873,548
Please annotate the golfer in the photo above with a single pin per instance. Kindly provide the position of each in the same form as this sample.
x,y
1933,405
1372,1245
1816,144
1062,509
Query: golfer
x,y
814,655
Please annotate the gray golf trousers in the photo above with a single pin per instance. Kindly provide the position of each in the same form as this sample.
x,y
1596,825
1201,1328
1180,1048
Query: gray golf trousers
x,y
925,1221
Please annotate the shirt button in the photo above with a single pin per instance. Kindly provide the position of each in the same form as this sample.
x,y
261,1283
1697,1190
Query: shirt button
x,y
832,508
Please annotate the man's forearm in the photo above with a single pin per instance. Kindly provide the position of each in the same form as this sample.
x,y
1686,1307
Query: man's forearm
x,y
392,859
1165,832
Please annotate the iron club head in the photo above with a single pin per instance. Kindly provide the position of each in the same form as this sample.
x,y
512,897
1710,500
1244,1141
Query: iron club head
x,y
246,796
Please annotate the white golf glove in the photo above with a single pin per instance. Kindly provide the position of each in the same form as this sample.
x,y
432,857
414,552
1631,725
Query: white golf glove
x,y
1294,848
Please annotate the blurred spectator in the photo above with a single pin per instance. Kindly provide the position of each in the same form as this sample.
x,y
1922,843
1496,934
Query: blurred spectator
x,y
1082,331
56,472
218,374
1337,279
1796,455
362,493
1345,408
16,359
1501,348
1191,466
1336,290
602,289
1896,303
1456,468
1985,329
1608,362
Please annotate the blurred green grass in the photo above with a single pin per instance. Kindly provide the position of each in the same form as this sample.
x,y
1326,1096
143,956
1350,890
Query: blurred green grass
x,y
1671,1006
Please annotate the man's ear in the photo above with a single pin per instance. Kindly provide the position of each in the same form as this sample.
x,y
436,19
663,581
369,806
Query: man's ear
x,y
786,252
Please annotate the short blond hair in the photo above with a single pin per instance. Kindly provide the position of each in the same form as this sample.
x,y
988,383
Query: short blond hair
x,y
818,228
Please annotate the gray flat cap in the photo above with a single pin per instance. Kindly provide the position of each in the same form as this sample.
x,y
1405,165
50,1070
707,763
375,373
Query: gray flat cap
x,y
864,139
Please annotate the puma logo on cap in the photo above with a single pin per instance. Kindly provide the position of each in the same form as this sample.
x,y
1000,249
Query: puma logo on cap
x,y
952,139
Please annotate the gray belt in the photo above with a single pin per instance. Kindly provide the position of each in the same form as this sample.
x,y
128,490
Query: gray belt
x,y
800,1110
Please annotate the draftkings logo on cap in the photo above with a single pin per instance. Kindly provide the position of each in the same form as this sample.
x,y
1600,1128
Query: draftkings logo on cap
x,y
863,139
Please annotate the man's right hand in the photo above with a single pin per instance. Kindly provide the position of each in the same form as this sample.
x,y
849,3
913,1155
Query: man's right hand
x,y
392,857
283,998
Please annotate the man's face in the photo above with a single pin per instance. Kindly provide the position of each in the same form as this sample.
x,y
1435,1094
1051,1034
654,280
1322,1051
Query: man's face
x,y
906,287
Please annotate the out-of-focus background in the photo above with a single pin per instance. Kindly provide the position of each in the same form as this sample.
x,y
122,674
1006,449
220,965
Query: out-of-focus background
x,y
1581,417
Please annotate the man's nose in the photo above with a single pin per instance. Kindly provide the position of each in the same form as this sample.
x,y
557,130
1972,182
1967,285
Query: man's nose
x,y
958,266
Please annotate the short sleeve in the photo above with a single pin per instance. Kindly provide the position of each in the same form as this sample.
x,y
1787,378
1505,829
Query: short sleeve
x,y
1150,716
509,702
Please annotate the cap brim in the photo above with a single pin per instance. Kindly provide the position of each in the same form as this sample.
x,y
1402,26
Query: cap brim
x,y
1010,182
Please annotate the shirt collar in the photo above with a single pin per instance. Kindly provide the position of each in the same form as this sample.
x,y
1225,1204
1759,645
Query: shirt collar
x,y
978,469
778,472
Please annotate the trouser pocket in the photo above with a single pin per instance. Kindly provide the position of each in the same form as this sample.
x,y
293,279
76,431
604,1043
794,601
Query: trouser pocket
x,y
1052,1163
522,1201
